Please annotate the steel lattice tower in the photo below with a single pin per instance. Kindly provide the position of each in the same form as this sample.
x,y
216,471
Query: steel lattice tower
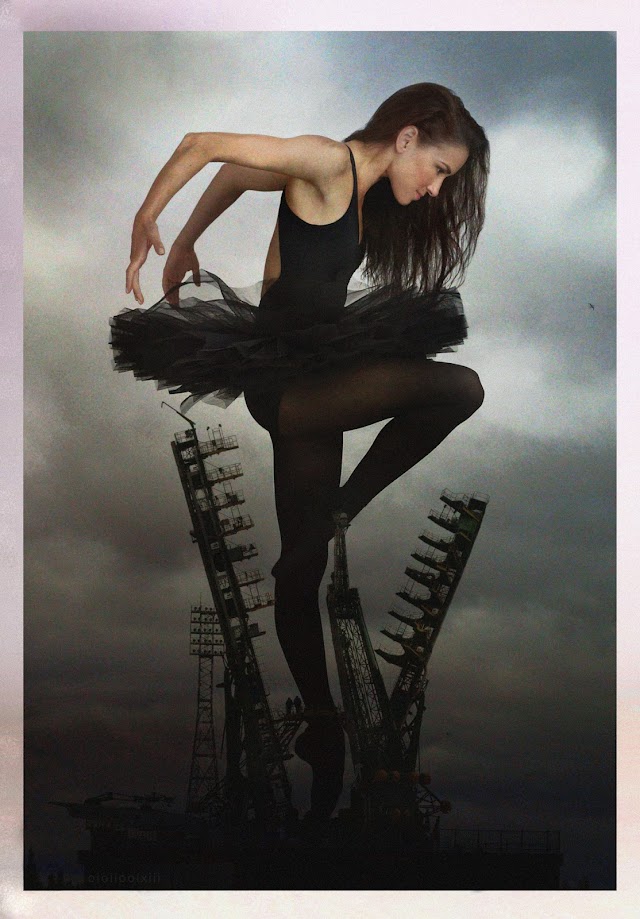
x,y
204,778
255,785
206,790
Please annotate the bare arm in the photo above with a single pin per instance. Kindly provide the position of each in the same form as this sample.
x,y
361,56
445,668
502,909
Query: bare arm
x,y
184,163
313,158
225,188
310,157
186,160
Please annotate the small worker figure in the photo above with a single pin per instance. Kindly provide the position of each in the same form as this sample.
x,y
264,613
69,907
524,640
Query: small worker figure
x,y
289,705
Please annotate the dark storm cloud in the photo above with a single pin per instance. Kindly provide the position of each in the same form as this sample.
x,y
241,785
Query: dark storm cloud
x,y
86,99
498,74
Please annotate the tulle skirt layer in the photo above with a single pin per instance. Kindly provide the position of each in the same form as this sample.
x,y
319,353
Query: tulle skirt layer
x,y
219,340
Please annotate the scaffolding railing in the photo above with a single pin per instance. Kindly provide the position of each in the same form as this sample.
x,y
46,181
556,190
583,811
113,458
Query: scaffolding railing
x,y
444,515
245,577
235,524
222,473
445,541
215,444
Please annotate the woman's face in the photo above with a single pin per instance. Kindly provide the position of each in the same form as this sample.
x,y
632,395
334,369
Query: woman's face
x,y
418,170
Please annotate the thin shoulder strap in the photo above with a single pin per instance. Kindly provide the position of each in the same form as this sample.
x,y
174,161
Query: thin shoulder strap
x,y
355,174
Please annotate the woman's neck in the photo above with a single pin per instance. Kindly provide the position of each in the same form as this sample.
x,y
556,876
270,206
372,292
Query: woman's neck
x,y
372,162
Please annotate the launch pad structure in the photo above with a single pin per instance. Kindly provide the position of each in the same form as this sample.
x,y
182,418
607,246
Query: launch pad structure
x,y
383,730
240,829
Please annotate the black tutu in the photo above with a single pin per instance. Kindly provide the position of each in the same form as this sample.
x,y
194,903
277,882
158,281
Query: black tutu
x,y
217,341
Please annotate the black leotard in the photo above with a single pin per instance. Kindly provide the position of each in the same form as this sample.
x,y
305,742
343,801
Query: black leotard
x,y
317,262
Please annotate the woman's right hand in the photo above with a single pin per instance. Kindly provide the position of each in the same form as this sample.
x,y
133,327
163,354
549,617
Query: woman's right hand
x,y
181,258
144,235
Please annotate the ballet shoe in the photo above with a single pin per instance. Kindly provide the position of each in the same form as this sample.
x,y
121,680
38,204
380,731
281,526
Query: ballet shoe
x,y
316,532
322,746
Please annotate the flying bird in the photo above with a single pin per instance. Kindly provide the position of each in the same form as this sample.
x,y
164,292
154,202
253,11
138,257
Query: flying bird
x,y
592,306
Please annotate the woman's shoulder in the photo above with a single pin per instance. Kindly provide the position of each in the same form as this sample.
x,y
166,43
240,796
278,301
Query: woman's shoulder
x,y
331,157
321,167
312,157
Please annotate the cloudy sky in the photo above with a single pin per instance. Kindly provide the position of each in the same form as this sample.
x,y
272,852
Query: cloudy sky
x,y
519,730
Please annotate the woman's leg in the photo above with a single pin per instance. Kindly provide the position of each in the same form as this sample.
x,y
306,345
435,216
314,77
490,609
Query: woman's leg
x,y
306,479
306,476
426,400
402,443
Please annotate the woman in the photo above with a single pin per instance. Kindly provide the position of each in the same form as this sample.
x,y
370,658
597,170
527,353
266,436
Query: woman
x,y
406,193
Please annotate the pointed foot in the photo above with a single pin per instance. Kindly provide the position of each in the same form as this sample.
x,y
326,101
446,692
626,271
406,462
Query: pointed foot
x,y
322,746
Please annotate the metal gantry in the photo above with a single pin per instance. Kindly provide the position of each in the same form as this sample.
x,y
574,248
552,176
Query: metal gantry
x,y
384,730
255,785
368,719
391,802
442,567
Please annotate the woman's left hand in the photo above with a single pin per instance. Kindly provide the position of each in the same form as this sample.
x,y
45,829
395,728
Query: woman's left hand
x,y
144,235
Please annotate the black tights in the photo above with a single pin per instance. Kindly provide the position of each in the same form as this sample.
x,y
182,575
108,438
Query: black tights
x,y
425,400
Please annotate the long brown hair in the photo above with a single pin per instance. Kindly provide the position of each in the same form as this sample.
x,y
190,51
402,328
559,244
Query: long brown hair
x,y
430,241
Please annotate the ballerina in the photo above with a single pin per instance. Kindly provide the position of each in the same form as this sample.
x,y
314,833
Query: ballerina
x,y
405,193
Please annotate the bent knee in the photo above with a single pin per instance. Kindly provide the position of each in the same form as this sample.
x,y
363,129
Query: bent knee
x,y
470,392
